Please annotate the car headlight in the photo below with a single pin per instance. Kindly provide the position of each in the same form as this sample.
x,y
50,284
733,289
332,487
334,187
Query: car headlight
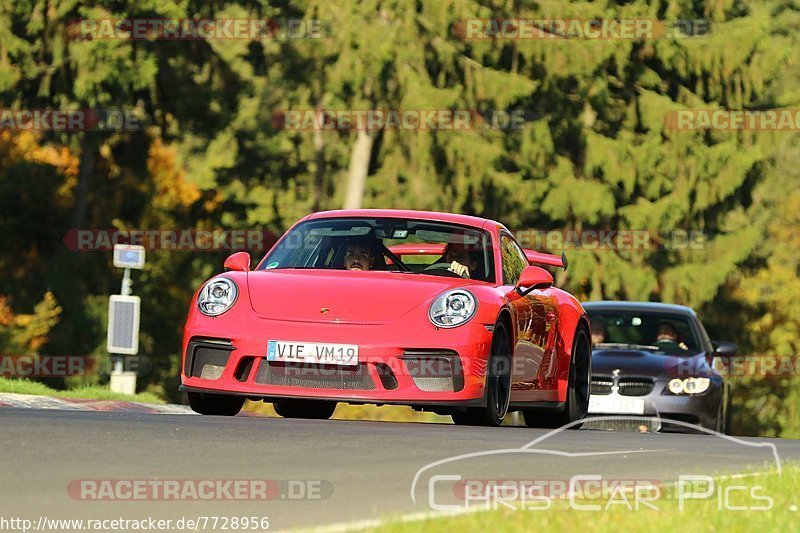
x,y
217,296
676,386
696,385
452,308
689,385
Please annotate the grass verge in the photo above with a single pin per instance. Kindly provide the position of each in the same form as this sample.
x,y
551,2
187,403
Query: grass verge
x,y
25,386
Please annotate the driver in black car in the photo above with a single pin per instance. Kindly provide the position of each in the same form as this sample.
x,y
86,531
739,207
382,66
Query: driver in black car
x,y
599,333
669,338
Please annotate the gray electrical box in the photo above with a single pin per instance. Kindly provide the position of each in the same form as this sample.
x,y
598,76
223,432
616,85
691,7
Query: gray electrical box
x,y
123,324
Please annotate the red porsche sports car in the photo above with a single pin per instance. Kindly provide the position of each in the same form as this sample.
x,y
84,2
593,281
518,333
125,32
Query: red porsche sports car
x,y
441,312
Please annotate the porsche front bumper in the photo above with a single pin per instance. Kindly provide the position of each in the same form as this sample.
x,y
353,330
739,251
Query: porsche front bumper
x,y
400,363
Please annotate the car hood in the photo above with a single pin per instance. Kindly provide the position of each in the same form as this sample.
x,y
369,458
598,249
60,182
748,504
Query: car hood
x,y
343,296
646,363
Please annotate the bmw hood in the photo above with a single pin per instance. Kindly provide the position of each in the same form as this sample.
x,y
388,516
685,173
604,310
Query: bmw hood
x,y
646,363
343,296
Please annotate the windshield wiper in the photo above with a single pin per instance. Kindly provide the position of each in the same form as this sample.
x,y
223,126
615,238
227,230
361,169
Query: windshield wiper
x,y
627,346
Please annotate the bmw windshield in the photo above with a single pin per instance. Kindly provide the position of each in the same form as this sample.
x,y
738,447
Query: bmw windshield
x,y
670,334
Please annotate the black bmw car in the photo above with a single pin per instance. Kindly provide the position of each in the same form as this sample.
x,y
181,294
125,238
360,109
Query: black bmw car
x,y
656,360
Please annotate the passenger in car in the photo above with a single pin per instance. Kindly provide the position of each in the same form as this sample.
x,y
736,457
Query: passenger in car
x,y
362,253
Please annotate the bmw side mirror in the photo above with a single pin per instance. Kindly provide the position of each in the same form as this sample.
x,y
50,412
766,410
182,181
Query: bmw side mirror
x,y
532,278
724,348
240,261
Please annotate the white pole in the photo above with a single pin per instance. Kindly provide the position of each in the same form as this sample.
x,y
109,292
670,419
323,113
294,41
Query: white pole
x,y
127,285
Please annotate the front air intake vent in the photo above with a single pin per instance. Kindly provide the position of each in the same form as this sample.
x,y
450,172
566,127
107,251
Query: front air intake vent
x,y
601,385
635,386
313,376
434,370
207,359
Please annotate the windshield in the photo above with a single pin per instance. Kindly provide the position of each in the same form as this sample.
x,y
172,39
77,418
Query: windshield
x,y
657,332
386,244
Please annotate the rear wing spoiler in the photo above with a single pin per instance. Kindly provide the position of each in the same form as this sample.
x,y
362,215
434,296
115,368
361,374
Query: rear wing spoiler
x,y
539,258
418,249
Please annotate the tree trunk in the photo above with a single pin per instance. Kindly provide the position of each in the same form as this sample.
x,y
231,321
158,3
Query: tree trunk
x,y
319,181
359,166
86,168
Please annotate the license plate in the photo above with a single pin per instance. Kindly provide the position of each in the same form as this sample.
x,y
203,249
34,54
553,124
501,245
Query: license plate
x,y
312,352
615,404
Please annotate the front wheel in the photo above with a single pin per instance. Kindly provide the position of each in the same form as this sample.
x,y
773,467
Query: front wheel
x,y
580,378
312,409
215,404
498,384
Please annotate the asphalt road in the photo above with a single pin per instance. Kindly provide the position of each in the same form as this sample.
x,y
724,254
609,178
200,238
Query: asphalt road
x,y
351,470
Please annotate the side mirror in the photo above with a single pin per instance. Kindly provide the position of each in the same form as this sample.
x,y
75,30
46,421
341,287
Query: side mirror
x,y
533,277
240,261
724,348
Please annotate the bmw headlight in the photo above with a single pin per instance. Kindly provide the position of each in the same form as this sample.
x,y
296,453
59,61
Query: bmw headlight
x,y
452,308
217,296
689,385
676,386
696,385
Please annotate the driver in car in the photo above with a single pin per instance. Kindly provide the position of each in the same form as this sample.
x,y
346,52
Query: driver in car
x,y
360,254
462,261
599,333
668,334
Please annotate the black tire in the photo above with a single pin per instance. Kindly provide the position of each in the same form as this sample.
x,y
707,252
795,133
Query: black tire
x,y
580,378
498,384
215,404
311,409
